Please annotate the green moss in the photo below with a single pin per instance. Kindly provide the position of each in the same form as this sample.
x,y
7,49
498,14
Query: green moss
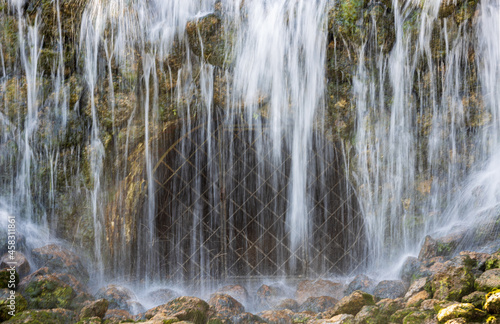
x,y
418,317
41,317
5,278
21,305
47,294
400,315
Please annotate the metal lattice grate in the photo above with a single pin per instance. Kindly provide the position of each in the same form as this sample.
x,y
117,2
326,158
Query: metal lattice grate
x,y
222,198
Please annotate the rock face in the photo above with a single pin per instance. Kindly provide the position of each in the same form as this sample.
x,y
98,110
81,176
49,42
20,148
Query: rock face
x,y
489,280
183,309
353,303
60,260
225,306
316,288
389,289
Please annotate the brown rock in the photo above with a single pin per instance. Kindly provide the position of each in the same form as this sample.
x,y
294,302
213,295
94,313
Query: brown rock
x,y
225,306
117,316
60,260
288,303
237,292
268,296
452,283
353,303
97,308
118,297
318,304
389,289
183,308
489,280
311,288
416,287
277,317
247,318
21,263
417,299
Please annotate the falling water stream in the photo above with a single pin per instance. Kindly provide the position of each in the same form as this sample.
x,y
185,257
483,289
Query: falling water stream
x,y
187,163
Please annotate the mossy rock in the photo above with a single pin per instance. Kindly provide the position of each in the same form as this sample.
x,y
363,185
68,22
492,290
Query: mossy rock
x,y
493,262
369,315
353,303
184,308
477,298
452,283
45,316
461,310
5,304
399,315
47,292
417,317
8,276
492,304
488,281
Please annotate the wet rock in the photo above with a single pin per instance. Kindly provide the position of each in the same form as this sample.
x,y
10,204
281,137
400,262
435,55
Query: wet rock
x,y
411,270
368,315
388,306
416,287
463,310
389,289
353,303
277,317
7,303
97,308
162,296
134,307
452,283
417,299
338,319
8,277
4,246
492,304
288,303
183,308
318,304
43,290
117,316
247,318
21,263
444,246
60,260
237,292
477,298
316,288
493,261
268,296
420,316
225,306
119,297
489,280
361,282
45,316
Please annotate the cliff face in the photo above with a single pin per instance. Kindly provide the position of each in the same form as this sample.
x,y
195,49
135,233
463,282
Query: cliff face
x,y
67,187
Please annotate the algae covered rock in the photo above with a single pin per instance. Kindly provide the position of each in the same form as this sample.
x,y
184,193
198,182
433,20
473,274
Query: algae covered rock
x,y
341,319
9,278
183,308
452,282
225,306
10,303
419,316
461,310
489,280
368,315
353,303
492,304
237,292
477,298
44,316
97,308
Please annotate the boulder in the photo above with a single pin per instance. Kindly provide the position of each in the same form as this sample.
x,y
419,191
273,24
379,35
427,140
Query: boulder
x,y
97,308
477,298
489,280
268,296
411,270
117,316
443,246
416,287
493,261
420,316
184,309
452,283
368,315
341,319
288,303
162,296
353,303
247,318
389,289
43,290
388,306
400,314
21,263
316,288
119,297
7,302
44,316
225,306
60,260
237,292
417,299
361,282
318,304
461,310
492,304
277,317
